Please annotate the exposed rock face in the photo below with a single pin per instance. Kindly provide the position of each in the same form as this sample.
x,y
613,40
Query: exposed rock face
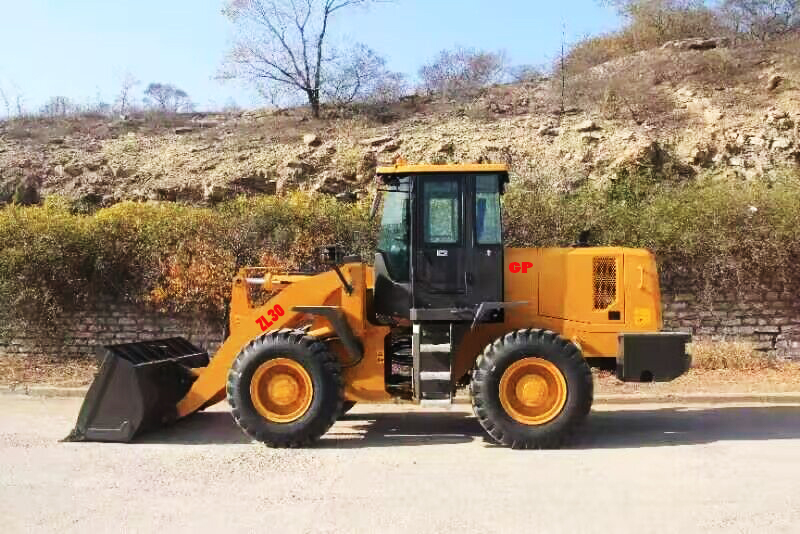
x,y
311,140
774,82
587,126
730,131
697,44
217,193
590,138
376,141
548,130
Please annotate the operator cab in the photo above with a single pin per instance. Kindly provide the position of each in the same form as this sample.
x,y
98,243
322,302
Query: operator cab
x,y
440,249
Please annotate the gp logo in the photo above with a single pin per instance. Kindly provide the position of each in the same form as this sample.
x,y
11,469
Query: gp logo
x,y
516,267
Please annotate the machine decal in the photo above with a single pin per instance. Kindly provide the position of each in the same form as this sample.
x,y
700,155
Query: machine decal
x,y
516,267
274,314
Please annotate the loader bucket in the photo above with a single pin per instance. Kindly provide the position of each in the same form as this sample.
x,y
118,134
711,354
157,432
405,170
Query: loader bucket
x,y
137,388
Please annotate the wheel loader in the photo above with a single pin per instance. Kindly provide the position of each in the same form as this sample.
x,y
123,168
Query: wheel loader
x,y
443,307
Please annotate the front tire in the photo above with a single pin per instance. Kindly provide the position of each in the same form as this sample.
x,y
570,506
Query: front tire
x,y
285,389
531,389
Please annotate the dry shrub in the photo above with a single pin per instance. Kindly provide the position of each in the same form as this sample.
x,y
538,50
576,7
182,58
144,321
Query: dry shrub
x,y
178,258
649,25
631,91
597,50
736,355
195,279
705,233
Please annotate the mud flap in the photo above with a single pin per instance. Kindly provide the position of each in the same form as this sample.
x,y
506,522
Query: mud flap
x,y
137,388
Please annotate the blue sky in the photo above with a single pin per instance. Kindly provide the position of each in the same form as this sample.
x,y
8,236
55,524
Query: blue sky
x,y
83,48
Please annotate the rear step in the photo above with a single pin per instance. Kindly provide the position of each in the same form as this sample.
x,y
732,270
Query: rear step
x,y
137,388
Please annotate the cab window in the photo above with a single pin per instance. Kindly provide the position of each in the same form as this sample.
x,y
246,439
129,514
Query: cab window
x,y
441,201
393,240
488,225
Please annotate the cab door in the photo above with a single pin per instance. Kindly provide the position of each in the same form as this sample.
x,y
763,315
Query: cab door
x,y
440,269
485,251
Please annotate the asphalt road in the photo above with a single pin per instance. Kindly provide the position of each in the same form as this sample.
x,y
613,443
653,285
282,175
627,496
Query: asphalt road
x,y
649,468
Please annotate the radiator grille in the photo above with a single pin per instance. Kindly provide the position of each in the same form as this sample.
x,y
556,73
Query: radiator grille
x,y
605,282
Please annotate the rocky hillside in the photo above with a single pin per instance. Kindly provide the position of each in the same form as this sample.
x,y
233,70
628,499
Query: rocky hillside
x,y
688,109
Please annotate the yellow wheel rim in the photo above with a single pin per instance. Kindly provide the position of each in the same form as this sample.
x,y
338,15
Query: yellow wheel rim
x,y
281,390
533,391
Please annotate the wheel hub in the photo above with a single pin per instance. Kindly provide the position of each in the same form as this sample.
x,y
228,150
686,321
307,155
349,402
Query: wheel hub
x,y
281,390
533,391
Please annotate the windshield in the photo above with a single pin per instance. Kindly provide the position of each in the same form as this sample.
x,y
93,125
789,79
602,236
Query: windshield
x,y
394,234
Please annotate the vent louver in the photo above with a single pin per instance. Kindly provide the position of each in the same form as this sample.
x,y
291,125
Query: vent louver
x,y
605,282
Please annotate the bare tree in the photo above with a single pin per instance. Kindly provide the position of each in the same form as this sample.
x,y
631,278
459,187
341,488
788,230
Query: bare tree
x,y
283,45
167,98
387,88
525,73
360,75
60,106
762,19
6,102
462,70
124,99
13,100
231,106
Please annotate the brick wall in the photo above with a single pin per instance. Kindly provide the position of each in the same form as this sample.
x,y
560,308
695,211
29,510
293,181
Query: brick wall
x,y
110,323
769,318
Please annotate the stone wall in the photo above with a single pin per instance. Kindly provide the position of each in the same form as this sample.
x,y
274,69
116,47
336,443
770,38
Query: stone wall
x,y
769,318
109,323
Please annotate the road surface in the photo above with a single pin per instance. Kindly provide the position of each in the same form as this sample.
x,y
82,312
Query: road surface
x,y
646,468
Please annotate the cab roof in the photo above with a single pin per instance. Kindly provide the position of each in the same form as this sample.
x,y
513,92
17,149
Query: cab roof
x,y
405,169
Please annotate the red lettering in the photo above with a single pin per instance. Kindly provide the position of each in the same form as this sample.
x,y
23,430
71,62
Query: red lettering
x,y
526,265
514,267
274,314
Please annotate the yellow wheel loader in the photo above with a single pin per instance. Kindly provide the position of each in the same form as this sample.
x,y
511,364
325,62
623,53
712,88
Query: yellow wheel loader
x,y
444,306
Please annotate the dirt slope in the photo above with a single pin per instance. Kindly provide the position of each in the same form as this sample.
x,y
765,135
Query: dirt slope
x,y
732,112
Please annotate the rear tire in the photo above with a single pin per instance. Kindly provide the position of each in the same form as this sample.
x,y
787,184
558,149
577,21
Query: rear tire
x,y
565,395
312,369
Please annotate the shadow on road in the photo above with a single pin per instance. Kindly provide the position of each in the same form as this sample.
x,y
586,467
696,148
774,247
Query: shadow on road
x,y
687,426
204,428
403,429
604,429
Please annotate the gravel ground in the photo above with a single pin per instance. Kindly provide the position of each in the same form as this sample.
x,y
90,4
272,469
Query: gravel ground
x,y
653,468
19,372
